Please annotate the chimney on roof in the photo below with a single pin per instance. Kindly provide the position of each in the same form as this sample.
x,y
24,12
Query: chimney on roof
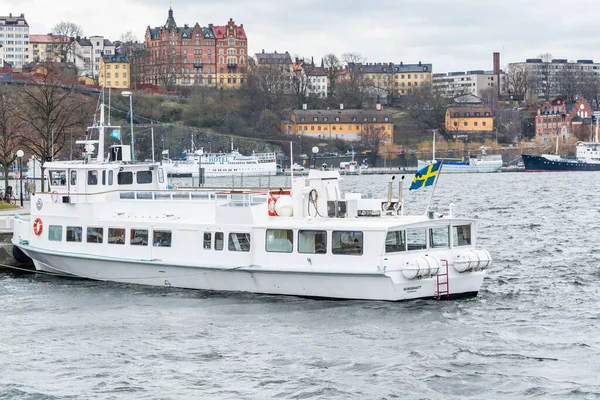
x,y
263,51
401,63
304,106
10,15
341,106
419,63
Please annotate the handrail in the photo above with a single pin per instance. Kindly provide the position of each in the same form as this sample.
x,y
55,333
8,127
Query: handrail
x,y
216,190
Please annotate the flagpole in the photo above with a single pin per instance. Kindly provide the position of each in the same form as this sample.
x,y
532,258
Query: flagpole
x,y
434,185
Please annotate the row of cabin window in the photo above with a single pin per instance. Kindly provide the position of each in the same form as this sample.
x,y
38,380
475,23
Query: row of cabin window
x,y
416,238
59,178
137,237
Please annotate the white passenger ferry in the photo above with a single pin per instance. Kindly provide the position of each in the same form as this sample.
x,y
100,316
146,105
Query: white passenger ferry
x,y
221,164
109,219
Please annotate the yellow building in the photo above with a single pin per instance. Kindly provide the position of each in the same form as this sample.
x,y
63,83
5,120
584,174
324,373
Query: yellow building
x,y
469,120
47,47
114,72
341,124
398,79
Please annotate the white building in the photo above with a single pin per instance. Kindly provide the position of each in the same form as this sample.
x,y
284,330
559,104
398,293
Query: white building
x,y
89,52
316,80
453,84
14,37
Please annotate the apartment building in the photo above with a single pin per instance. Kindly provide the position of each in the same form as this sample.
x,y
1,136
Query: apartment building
x,y
393,78
47,47
14,38
215,55
343,124
114,72
88,53
556,118
468,120
454,84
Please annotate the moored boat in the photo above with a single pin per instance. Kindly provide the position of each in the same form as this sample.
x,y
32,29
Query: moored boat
x,y
587,158
108,219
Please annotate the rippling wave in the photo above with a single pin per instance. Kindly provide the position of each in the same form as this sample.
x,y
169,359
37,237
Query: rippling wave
x,y
531,333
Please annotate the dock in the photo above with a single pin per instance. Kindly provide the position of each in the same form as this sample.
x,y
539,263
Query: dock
x,y
6,233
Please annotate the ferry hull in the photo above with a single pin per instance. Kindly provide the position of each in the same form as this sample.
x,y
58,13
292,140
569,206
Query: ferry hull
x,y
542,164
388,286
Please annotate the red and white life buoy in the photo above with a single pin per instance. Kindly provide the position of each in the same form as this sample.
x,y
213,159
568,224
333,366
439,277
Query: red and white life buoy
x,y
271,205
38,227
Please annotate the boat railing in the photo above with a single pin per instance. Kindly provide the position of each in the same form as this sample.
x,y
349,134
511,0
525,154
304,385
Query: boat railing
x,y
223,198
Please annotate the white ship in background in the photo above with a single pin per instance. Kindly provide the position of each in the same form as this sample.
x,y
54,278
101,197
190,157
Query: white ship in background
x,y
220,164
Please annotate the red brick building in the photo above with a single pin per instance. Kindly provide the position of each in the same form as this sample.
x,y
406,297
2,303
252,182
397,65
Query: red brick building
x,y
555,118
204,56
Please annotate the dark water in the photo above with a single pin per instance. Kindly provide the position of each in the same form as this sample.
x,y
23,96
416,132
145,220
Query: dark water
x,y
533,331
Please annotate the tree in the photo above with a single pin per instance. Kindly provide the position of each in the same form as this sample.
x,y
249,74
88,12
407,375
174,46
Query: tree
x,y
590,88
569,82
138,57
424,107
64,35
300,87
265,85
352,88
389,151
489,96
518,81
11,130
332,66
50,107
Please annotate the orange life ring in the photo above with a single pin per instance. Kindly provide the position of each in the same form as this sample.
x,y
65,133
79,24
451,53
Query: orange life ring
x,y
38,226
271,205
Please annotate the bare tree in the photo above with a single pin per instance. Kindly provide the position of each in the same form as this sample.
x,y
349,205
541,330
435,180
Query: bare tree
x,y
352,58
424,107
64,35
300,87
138,57
590,87
11,130
489,96
353,85
518,81
266,85
333,67
570,80
50,107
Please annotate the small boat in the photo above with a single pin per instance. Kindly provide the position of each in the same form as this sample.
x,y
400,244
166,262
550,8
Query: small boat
x,y
108,219
350,167
475,163
220,164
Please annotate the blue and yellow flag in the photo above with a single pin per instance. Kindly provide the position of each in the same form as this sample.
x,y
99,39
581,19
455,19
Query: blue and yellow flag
x,y
425,176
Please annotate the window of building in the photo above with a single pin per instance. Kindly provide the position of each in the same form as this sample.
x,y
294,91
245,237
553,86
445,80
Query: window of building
x,y
477,114
92,177
484,123
74,233
161,238
312,242
439,237
239,242
108,74
475,123
466,123
116,236
219,241
337,119
55,233
207,242
138,237
487,114
456,114
395,241
347,242
455,123
461,235
416,239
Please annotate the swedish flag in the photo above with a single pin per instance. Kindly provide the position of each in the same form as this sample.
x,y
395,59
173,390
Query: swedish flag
x,y
425,176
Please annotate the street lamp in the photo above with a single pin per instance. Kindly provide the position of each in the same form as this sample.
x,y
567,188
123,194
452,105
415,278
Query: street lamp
x,y
315,150
20,155
130,95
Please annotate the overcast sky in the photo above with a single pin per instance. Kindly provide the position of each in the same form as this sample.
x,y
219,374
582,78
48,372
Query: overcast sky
x,y
453,35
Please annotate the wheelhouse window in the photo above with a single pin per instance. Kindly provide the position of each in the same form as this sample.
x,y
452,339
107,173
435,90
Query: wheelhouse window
x,y
207,240
116,236
312,242
125,178
279,240
416,239
110,178
143,177
58,178
395,241
74,233
55,233
347,242
461,235
439,237
138,237
219,241
95,235
92,177
162,238
238,242
161,175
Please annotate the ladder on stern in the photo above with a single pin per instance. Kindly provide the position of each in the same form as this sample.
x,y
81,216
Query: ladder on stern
x,y
443,286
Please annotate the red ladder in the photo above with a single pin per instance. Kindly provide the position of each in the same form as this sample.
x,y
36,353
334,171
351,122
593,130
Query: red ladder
x,y
443,286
